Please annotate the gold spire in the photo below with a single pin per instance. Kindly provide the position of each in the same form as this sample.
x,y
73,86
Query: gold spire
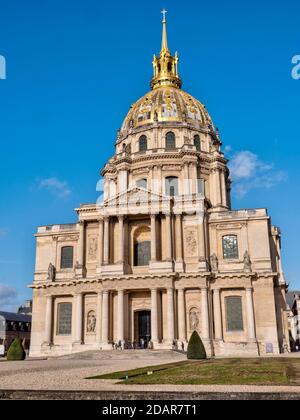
x,y
164,44
165,66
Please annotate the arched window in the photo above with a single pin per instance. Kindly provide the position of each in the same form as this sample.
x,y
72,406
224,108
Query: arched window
x,y
172,186
67,255
230,247
142,183
170,141
143,144
197,143
234,314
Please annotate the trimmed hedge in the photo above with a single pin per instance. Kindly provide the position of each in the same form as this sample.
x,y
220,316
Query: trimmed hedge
x,y
196,349
16,351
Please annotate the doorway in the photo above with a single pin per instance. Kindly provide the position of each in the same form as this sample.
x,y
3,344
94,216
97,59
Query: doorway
x,y
143,328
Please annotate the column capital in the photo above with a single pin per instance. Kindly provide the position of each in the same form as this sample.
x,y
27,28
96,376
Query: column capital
x,y
81,223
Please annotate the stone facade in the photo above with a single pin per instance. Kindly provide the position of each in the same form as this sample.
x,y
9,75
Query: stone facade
x,y
162,254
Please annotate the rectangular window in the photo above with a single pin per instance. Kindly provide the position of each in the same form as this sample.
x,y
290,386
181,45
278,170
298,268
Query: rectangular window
x,y
64,319
230,247
234,314
67,257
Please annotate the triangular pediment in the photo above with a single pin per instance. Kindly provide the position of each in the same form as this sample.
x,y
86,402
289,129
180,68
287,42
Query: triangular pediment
x,y
136,195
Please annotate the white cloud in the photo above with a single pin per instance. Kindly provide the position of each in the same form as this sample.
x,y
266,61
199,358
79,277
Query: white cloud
x,y
248,173
8,298
59,188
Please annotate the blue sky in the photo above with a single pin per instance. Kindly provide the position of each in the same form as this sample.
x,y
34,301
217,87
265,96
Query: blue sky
x,y
75,67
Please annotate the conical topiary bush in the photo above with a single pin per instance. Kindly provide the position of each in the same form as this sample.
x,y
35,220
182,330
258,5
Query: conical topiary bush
x,y
16,351
196,349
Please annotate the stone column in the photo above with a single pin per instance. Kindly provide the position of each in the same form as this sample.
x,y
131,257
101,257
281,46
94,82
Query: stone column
x,y
121,315
224,189
168,238
205,314
105,317
186,181
153,238
181,315
154,316
250,315
218,187
121,239
78,318
194,178
171,320
48,320
81,243
159,179
99,318
106,242
201,245
179,250
217,315
100,244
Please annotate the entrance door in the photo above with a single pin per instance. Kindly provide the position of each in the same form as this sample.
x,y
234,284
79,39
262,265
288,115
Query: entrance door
x,y
144,328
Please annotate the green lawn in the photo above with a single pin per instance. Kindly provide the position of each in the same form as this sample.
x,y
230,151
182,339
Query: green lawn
x,y
216,372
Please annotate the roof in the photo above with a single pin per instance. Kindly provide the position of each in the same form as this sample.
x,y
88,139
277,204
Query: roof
x,y
290,297
10,316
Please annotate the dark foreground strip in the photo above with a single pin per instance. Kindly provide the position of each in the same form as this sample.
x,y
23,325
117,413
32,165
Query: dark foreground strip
x,y
142,396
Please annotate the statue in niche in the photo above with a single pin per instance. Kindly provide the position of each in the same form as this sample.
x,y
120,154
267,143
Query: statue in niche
x,y
51,272
91,322
194,319
214,263
247,262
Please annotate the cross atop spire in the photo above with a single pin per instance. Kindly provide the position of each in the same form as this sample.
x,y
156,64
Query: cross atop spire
x,y
164,13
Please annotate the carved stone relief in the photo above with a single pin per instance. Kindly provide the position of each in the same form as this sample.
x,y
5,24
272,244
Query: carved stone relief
x,y
191,242
92,248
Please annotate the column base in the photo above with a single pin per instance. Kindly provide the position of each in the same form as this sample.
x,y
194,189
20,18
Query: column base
x,y
161,267
77,344
179,266
106,346
79,273
111,270
203,266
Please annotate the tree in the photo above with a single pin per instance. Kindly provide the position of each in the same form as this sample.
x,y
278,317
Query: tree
x,y
196,349
16,351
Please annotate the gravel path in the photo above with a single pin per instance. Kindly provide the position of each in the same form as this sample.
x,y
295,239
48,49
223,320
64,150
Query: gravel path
x,y
68,373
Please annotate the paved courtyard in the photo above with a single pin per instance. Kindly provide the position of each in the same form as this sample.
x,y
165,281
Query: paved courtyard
x,y
68,374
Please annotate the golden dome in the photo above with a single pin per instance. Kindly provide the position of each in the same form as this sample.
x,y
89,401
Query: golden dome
x,y
167,104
